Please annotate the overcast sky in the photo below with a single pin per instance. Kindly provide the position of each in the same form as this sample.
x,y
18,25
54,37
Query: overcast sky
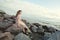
x,y
47,8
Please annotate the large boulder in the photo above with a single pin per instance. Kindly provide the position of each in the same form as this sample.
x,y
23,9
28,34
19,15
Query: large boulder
x,y
13,29
55,36
36,24
2,15
52,30
33,28
22,36
5,24
46,35
6,36
2,12
40,29
37,32
49,28
27,23
36,36
5,21
45,27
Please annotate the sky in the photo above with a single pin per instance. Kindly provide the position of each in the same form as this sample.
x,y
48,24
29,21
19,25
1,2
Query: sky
x,y
44,8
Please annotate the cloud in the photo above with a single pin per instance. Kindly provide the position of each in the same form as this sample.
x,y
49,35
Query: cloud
x,y
28,8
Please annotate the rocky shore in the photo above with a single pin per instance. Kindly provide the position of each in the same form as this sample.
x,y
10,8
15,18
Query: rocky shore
x,y
38,31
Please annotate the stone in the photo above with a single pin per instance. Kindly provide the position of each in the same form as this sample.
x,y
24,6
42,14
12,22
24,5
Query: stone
x,y
40,29
1,19
36,24
7,16
33,28
2,15
55,36
11,20
36,36
1,34
13,29
2,12
45,28
24,21
46,35
51,29
22,36
27,23
5,24
6,36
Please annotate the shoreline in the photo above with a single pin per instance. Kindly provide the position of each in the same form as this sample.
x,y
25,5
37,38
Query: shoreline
x,y
10,32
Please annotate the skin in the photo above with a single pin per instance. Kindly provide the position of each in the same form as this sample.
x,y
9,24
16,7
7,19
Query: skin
x,y
20,23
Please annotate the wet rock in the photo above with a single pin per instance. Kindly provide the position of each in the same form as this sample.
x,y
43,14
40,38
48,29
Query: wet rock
x,y
40,29
52,30
27,23
5,24
55,36
45,28
24,21
46,35
36,36
7,16
2,15
22,36
1,19
33,28
36,24
1,34
6,36
11,20
2,12
13,29
37,32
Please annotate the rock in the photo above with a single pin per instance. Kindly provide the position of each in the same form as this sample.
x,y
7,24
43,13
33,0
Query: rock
x,y
2,15
7,16
6,36
5,24
13,29
1,34
47,35
2,12
10,20
36,36
51,29
45,28
27,23
36,24
33,28
1,19
55,36
40,29
21,36
24,21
